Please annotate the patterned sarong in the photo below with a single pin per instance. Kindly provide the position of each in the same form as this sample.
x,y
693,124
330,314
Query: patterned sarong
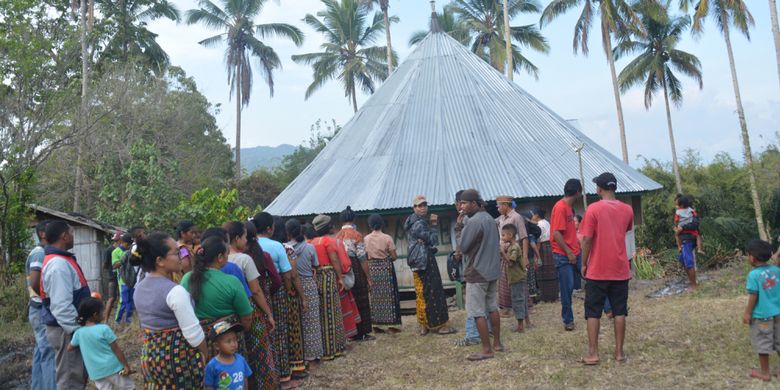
x,y
333,342
360,293
432,310
385,302
310,321
280,309
295,334
260,355
504,291
349,313
168,361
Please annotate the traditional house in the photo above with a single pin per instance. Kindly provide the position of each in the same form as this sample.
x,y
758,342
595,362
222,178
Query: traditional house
x,y
445,120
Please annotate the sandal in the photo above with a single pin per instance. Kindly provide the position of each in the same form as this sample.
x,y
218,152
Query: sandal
x,y
424,332
475,357
622,359
446,331
466,343
586,362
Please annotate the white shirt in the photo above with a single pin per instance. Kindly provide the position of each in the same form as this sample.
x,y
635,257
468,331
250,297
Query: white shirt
x,y
545,227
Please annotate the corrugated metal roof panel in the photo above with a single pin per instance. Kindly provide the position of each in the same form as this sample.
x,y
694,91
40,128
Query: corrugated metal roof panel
x,y
443,121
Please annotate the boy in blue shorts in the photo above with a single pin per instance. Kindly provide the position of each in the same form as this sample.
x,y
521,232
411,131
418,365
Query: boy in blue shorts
x,y
763,309
227,370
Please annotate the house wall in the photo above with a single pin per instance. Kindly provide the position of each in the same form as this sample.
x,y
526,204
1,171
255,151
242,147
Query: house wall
x,y
87,249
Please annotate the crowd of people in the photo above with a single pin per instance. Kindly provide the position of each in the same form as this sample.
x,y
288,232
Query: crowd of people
x,y
261,304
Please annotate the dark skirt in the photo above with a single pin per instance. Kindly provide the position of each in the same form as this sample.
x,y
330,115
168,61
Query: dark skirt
x,y
260,357
295,334
333,341
280,308
360,293
432,312
310,321
168,361
385,301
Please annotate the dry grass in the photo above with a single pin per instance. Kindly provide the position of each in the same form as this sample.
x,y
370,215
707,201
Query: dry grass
x,y
689,341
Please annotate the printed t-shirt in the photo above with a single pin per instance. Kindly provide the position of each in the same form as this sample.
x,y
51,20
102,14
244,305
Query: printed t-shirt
x,y
562,220
277,252
606,223
763,281
227,376
95,345
221,295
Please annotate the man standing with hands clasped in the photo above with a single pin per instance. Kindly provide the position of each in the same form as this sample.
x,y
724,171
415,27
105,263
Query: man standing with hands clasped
x,y
605,264
480,247
566,248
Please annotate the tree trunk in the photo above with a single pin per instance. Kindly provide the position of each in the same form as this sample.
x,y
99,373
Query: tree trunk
x,y
354,99
775,33
762,233
675,164
389,41
78,186
238,121
607,41
508,41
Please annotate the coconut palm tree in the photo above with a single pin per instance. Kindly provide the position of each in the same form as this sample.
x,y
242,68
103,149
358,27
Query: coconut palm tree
x,y
384,5
616,18
449,23
655,65
728,13
347,54
243,40
130,36
485,22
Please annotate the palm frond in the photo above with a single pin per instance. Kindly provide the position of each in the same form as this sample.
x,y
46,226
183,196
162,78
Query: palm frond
x,y
530,36
213,41
210,20
280,30
555,9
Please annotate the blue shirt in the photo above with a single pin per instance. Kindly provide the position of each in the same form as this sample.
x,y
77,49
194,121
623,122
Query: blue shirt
x,y
95,345
763,281
277,252
233,269
227,376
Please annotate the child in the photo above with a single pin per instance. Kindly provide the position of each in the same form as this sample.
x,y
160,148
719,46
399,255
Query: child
x,y
687,225
105,362
763,308
227,370
517,276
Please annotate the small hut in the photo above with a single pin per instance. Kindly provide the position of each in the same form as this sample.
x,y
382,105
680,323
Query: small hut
x,y
90,240
445,120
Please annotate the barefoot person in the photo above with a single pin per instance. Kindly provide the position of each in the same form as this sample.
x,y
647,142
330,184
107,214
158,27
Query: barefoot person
x,y
480,247
507,216
686,233
763,309
605,264
566,248
385,300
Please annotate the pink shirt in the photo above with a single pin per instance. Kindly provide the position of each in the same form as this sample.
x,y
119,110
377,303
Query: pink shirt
x,y
606,223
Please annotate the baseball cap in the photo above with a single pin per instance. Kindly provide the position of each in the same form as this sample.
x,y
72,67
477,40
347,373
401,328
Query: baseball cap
x,y
418,200
606,181
223,327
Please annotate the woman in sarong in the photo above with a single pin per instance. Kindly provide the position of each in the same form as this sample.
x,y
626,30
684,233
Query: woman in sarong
x,y
356,250
432,312
385,301
174,352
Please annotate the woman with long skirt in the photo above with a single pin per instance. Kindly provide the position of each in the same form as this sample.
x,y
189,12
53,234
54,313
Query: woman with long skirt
x,y
356,250
385,301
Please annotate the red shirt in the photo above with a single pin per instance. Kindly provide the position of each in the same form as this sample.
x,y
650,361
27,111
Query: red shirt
x,y
562,220
606,223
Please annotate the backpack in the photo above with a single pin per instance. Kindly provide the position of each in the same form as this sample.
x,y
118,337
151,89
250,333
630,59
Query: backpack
x,y
127,269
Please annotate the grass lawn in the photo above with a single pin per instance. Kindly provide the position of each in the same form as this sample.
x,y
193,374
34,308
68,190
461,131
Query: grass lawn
x,y
688,341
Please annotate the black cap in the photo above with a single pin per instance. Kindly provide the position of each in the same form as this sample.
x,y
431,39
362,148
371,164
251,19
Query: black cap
x,y
606,181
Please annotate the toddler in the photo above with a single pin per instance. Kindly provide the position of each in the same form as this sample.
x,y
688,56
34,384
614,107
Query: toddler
x,y
227,370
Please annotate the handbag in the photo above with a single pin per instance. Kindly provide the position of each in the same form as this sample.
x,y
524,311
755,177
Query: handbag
x,y
348,279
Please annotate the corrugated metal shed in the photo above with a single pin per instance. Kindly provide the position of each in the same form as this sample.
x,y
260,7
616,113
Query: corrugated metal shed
x,y
445,120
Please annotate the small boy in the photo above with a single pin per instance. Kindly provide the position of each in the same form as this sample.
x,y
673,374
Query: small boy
x,y
227,370
763,308
517,276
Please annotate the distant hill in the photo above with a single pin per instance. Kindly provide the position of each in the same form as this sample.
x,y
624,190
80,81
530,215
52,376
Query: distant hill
x,y
264,156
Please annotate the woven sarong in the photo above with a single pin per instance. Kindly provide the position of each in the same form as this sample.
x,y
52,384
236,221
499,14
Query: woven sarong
x,y
333,342
280,309
168,361
295,334
432,310
350,315
310,321
385,302
260,355
360,293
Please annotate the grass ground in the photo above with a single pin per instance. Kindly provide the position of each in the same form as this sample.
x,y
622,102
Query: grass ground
x,y
688,341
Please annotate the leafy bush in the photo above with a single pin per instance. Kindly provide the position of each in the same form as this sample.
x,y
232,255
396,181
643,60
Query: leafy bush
x,y
207,208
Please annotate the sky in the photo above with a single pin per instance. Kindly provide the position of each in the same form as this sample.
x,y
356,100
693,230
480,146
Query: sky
x,y
575,86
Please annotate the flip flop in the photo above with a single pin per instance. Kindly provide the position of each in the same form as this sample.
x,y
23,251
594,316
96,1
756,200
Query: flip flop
x,y
447,331
758,375
475,357
499,349
585,362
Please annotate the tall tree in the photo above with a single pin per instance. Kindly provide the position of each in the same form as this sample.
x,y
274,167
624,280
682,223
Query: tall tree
x,y
508,40
775,33
655,65
85,27
617,18
449,23
243,39
384,5
485,21
347,53
727,13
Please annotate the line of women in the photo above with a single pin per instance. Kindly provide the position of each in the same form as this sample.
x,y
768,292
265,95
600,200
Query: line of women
x,y
299,291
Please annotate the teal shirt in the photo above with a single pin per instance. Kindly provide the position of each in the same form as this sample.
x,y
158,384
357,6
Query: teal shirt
x,y
763,281
95,345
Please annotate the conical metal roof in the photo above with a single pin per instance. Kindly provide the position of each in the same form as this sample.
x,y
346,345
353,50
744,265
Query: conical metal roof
x,y
443,121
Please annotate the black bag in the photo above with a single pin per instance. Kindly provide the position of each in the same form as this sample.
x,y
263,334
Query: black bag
x,y
533,229
453,268
417,258
128,269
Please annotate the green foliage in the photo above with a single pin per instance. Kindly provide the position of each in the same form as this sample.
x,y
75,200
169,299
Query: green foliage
x,y
15,235
647,267
13,296
207,208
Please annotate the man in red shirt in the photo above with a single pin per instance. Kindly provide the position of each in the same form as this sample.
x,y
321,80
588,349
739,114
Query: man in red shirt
x,y
605,264
566,248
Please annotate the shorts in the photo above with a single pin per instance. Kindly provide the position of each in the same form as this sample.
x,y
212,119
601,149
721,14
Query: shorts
x,y
687,255
481,298
596,291
520,299
765,334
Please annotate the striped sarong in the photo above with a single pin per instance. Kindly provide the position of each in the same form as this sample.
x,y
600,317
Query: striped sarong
x,y
168,361
295,334
310,321
260,355
333,341
280,309
385,301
